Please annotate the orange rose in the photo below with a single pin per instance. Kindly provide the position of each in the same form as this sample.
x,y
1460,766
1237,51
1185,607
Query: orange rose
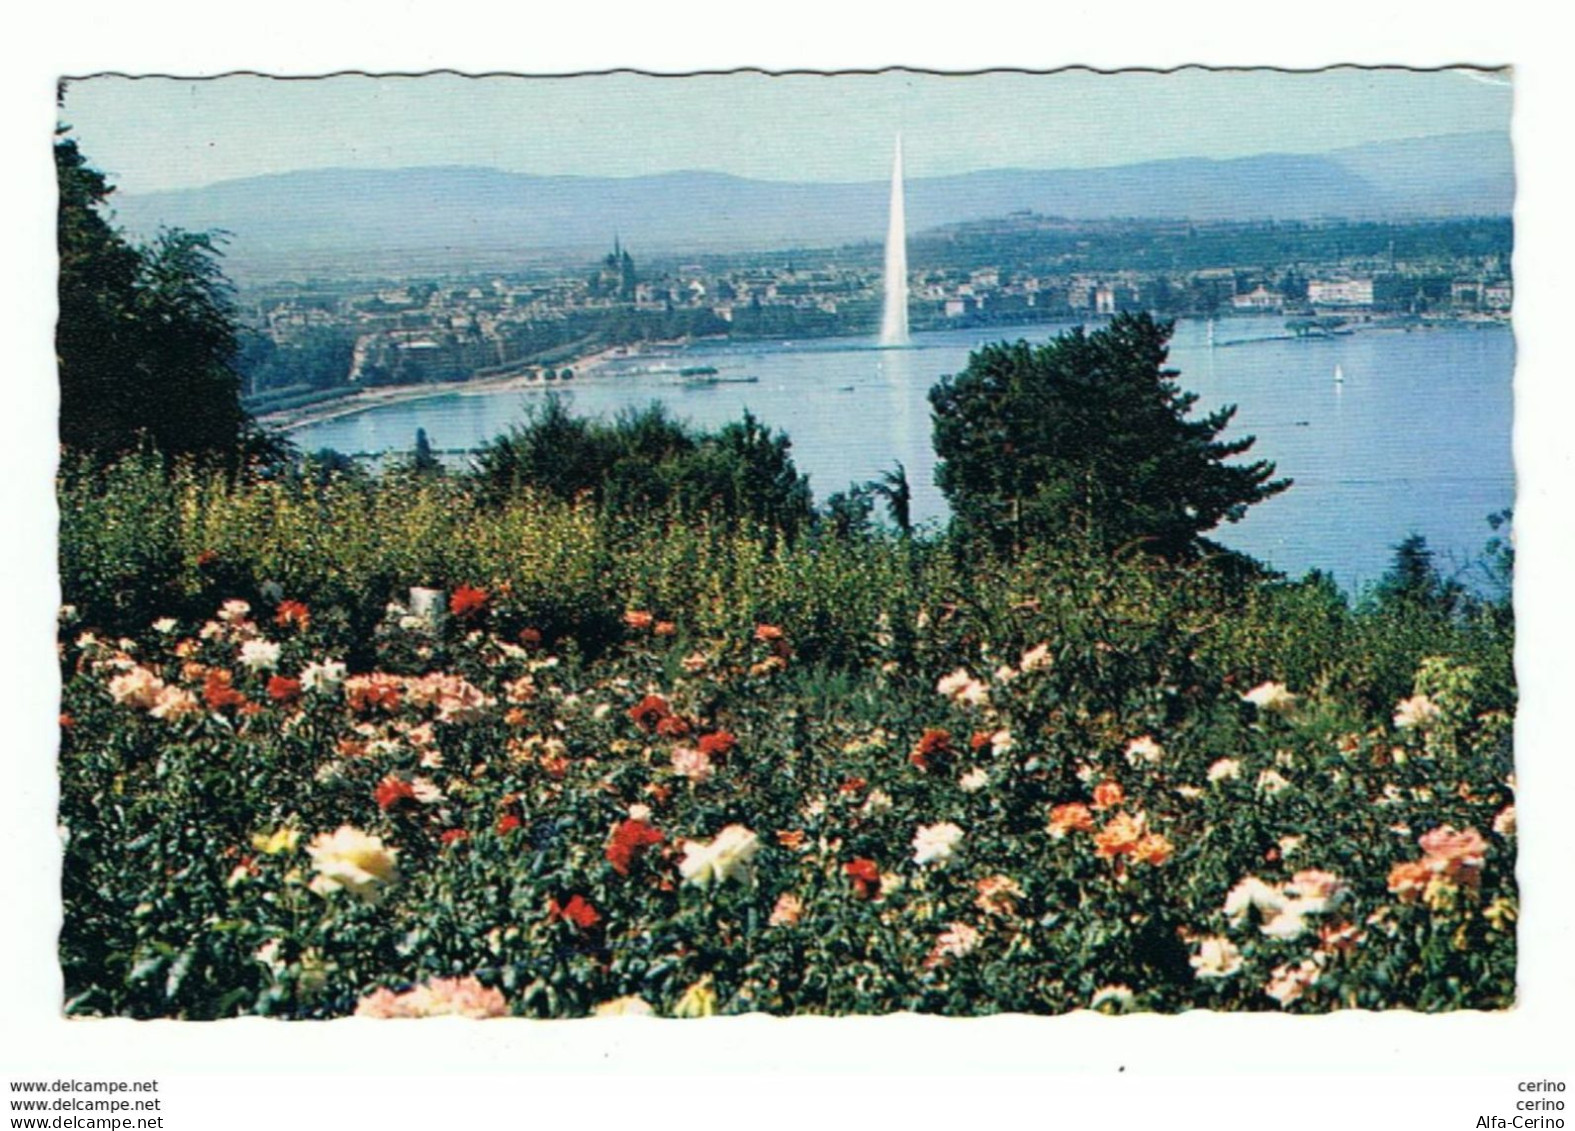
x,y
1072,817
1409,880
1154,849
1120,837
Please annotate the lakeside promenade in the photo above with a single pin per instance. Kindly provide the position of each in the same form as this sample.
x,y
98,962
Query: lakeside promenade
x,y
362,400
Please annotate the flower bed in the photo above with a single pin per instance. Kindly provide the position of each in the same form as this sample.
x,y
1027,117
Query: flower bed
x,y
1037,810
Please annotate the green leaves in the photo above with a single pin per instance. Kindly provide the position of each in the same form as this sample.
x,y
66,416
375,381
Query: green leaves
x,y
146,335
1088,436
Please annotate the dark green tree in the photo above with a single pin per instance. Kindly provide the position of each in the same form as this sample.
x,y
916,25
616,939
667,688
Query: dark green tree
x,y
644,461
553,451
892,487
146,335
98,277
1089,435
423,460
1413,580
846,514
627,279
745,471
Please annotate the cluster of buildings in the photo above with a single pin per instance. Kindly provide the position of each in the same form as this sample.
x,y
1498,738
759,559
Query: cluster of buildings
x,y
1400,293
448,330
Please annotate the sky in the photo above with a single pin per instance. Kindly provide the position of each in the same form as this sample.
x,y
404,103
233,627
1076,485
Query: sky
x,y
153,134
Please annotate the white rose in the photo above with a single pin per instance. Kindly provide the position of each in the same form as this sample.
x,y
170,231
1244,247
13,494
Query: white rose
x,y
1273,697
1416,711
1216,958
935,843
1144,750
260,655
727,857
1225,769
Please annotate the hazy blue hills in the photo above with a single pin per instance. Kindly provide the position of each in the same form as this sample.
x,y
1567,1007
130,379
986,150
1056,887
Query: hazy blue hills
x,y
1453,175
461,209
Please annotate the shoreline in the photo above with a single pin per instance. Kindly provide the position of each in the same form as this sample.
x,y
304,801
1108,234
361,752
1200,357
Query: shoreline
x,y
588,366
365,400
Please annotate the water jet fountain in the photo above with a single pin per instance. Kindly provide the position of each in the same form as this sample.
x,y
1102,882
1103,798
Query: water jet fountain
x,y
894,319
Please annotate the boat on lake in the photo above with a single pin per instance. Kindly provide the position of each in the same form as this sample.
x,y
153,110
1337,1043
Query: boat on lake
x,y
707,379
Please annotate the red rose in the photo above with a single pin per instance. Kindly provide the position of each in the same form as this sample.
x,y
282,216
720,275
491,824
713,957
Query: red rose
x,y
865,874
649,712
391,791
629,840
217,692
467,600
933,745
282,689
718,745
578,910
292,613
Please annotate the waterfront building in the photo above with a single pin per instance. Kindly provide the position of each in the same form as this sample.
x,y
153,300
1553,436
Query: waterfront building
x,y
1261,299
1340,292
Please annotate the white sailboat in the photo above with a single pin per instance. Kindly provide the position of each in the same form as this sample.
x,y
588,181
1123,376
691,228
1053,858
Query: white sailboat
x,y
1339,374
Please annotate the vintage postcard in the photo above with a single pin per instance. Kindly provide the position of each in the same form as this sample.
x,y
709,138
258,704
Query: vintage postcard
x,y
802,544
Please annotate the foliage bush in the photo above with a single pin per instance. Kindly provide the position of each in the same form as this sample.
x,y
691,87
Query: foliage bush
x,y
646,461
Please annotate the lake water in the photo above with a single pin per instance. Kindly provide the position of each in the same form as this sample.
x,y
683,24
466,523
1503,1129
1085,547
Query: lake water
x,y
1415,438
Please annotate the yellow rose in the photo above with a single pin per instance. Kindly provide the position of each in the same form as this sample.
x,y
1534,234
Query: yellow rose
x,y
699,1000
354,861
272,844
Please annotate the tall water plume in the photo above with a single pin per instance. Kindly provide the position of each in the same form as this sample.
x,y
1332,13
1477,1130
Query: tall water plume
x,y
894,320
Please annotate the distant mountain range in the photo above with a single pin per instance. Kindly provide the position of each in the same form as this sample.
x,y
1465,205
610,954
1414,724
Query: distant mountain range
x,y
453,209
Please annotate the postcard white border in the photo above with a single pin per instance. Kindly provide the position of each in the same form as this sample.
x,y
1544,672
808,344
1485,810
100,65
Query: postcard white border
x,y
301,38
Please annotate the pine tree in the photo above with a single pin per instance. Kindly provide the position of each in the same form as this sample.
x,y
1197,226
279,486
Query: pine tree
x,y
1089,435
